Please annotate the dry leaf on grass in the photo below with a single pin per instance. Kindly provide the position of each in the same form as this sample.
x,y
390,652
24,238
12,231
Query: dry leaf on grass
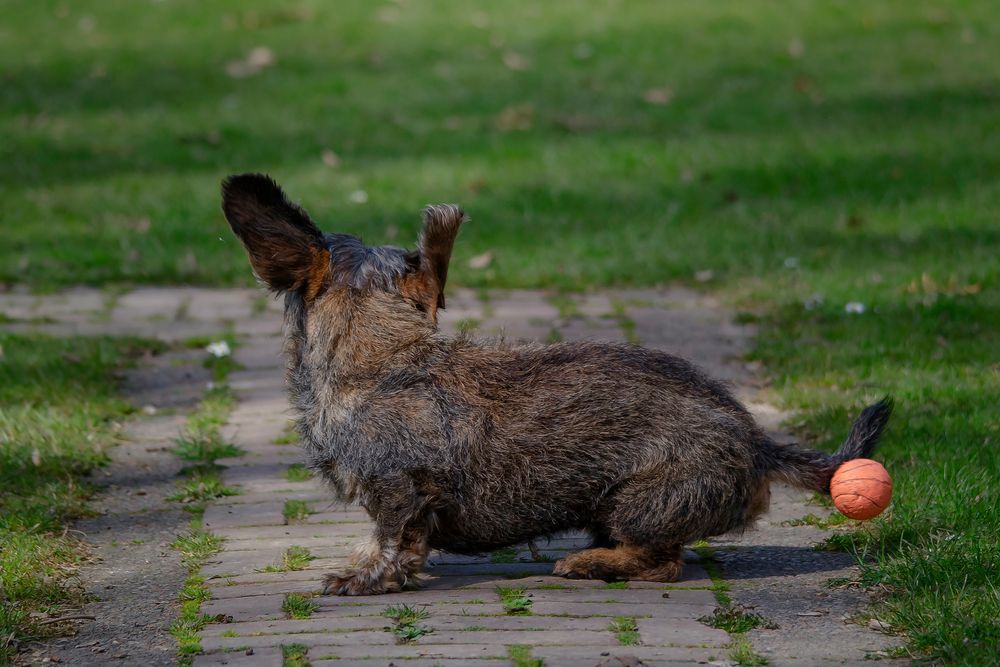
x,y
257,59
515,61
330,158
516,117
659,96
481,261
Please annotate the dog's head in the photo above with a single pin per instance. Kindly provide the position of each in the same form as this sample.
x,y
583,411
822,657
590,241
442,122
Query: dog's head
x,y
291,255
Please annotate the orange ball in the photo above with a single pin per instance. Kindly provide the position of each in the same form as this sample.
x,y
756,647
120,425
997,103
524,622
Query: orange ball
x,y
861,489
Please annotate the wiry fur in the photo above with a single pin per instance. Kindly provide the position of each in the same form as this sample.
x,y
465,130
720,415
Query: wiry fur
x,y
471,445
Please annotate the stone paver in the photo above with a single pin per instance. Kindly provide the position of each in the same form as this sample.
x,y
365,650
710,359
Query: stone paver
x,y
773,569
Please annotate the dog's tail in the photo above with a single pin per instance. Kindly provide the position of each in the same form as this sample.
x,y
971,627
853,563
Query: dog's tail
x,y
811,469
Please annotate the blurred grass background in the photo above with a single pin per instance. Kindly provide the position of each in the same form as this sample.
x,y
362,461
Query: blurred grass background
x,y
795,157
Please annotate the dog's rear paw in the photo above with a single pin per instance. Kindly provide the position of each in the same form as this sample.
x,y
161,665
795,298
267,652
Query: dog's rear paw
x,y
664,572
586,565
358,582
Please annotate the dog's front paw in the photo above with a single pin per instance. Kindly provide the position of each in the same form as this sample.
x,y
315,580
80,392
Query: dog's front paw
x,y
574,568
358,582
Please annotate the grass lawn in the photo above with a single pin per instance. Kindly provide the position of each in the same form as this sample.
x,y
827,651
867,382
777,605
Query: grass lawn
x,y
58,416
786,153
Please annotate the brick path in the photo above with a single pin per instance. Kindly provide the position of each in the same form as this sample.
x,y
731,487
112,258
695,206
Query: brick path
x,y
568,622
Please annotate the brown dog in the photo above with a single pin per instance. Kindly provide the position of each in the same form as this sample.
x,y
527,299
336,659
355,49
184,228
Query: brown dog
x,y
469,446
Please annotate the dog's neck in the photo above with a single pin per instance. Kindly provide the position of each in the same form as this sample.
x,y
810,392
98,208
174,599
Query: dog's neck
x,y
347,342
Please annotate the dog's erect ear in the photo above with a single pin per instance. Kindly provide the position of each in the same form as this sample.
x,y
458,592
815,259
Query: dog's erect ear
x,y
441,224
284,246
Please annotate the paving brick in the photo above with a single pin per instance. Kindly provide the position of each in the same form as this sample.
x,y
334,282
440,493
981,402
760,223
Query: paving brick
x,y
408,651
249,514
680,632
586,655
257,608
262,657
674,610
363,638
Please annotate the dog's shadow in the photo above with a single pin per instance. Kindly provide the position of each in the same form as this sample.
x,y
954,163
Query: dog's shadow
x,y
762,561
733,562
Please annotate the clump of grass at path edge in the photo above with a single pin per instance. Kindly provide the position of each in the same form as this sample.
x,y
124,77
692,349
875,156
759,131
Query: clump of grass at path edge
x,y
58,406
784,153
201,444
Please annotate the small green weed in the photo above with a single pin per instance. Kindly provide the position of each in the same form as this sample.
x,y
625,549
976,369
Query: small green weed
x,y
520,655
298,473
626,630
204,448
406,624
289,436
741,652
194,547
565,304
296,510
736,620
467,325
505,555
202,486
515,601
720,588
404,613
294,558
298,606
294,655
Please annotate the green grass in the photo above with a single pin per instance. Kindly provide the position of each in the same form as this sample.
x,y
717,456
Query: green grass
x,y
741,652
825,522
197,449
294,655
406,622
201,444
831,133
625,629
736,620
212,411
706,555
59,413
520,656
294,558
298,473
201,486
505,555
935,551
195,547
783,154
289,436
296,510
515,601
298,606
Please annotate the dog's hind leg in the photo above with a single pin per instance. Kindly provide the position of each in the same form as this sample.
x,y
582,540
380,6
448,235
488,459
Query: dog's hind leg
x,y
652,516
625,561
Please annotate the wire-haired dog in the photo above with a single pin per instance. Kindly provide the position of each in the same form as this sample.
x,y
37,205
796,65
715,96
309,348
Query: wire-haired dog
x,y
469,446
